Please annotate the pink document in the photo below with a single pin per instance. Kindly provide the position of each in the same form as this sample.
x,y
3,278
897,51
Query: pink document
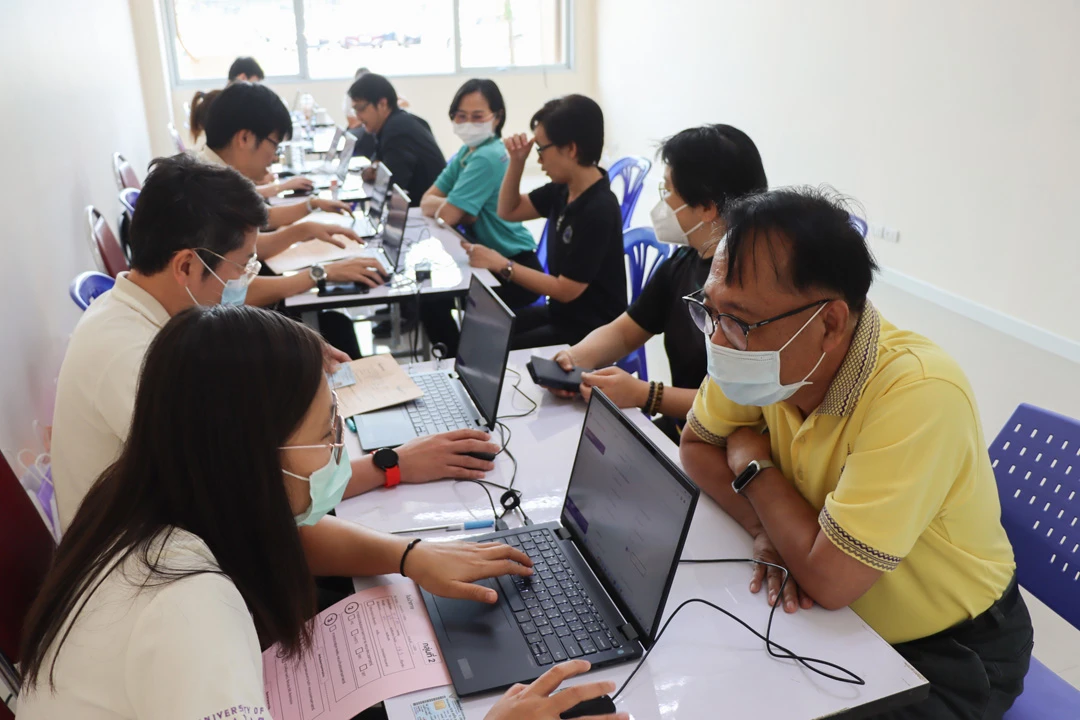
x,y
371,646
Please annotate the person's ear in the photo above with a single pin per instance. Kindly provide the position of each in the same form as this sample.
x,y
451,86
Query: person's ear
x,y
184,266
709,214
571,151
836,317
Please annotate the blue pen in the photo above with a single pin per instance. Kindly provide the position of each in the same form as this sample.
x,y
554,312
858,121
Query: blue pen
x,y
471,525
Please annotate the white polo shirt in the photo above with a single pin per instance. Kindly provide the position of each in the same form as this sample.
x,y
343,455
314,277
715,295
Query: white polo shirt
x,y
185,650
95,394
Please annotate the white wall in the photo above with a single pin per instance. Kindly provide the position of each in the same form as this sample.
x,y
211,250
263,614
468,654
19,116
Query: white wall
x,y
430,96
955,122
72,98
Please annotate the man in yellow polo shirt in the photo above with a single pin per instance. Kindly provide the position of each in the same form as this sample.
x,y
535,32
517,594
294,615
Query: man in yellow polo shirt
x,y
852,452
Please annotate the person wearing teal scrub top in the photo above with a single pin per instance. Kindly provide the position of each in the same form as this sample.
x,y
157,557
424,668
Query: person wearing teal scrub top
x,y
466,194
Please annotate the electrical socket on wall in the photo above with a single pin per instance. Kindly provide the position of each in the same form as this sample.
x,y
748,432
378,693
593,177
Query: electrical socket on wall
x,y
884,232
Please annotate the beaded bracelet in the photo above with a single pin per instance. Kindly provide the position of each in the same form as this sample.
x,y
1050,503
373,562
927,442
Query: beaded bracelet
x,y
649,400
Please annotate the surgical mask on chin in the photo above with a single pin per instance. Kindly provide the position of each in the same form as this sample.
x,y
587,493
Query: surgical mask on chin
x,y
752,378
326,486
473,134
666,224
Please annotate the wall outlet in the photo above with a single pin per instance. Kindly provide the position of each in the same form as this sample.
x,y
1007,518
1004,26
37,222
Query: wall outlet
x,y
884,232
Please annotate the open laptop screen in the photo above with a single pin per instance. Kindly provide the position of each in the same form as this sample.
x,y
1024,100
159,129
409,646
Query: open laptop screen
x,y
484,347
379,189
629,508
394,232
344,155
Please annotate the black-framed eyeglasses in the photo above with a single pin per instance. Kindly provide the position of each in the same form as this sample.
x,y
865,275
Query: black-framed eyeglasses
x,y
541,148
736,330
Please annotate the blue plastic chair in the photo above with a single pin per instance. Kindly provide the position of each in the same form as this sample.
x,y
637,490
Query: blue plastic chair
x,y
1036,459
631,171
128,197
88,286
859,224
643,263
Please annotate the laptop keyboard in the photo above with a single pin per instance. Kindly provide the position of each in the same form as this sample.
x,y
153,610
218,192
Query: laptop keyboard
x,y
553,610
439,410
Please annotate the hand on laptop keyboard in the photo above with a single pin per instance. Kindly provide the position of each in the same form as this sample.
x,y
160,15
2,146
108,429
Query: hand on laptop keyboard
x,y
441,457
451,569
540,701
332,234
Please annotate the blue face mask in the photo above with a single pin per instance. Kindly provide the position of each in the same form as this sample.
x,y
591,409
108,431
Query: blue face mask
x,y
235,291
326,485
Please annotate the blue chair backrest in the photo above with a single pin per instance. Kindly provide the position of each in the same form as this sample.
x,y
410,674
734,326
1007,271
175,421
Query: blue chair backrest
x,y
541,247
128,196
631,171
88,286
643,263
860,225
1036,459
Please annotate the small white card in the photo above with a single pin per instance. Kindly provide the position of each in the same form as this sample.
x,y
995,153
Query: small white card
x,y
342,377
440,708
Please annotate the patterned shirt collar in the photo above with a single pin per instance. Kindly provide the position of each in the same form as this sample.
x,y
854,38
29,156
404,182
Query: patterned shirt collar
x,y
858,366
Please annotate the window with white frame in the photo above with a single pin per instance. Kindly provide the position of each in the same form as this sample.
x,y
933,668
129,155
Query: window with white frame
x,y
330,39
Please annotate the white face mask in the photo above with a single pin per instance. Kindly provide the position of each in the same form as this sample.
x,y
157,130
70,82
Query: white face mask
x,y
666,224
753,377
472,134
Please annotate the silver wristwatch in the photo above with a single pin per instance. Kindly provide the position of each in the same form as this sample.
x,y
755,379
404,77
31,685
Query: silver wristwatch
x,y
318,275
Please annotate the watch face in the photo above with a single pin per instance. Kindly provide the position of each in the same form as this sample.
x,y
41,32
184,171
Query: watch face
x,y
318,272
385,458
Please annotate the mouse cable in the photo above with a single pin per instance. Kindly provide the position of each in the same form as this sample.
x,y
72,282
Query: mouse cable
x,y
785,654
517,388
511,499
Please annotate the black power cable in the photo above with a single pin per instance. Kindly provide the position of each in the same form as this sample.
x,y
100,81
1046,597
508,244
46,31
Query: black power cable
x,y
785,654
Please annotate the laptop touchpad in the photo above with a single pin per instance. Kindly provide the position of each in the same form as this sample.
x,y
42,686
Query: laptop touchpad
x,y
475,624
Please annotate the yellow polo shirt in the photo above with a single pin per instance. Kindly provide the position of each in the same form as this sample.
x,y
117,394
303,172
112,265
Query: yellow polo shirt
x,y
895,462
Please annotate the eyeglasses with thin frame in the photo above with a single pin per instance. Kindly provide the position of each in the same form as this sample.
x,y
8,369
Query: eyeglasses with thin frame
x,y
251,268
736,330
664,192
461,117
337,427
541,148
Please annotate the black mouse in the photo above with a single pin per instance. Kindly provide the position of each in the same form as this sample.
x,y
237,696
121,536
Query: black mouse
x,y
482,455
602,705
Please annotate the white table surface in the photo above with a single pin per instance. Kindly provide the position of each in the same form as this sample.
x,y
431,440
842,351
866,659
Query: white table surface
x,y
706,665
450,271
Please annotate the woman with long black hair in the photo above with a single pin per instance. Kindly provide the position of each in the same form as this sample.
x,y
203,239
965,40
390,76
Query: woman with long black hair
x,y
185,560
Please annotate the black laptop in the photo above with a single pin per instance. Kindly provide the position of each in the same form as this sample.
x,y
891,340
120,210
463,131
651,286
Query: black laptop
x,y
603,572
468,397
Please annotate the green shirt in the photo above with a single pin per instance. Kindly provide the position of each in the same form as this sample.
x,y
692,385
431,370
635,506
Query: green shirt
x,y
471,182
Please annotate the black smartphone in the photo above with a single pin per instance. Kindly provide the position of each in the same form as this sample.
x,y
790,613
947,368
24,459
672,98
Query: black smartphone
x,y
547,373
353,288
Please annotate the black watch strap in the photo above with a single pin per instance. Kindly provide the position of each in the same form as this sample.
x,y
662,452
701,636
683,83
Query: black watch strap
x,y
747,476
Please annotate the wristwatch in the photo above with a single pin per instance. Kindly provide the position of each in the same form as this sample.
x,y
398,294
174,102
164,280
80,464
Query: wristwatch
x,y
318,276
386,460
740,483
507,272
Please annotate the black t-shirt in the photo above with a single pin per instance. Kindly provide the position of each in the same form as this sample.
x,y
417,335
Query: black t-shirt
x,y
365,143
585,244
660,309
408,148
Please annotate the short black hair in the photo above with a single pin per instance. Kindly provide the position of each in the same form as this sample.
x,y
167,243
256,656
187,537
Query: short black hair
x,y
373,88
826,250
713,164
245,66
491,93
188,204
574,119
246,106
